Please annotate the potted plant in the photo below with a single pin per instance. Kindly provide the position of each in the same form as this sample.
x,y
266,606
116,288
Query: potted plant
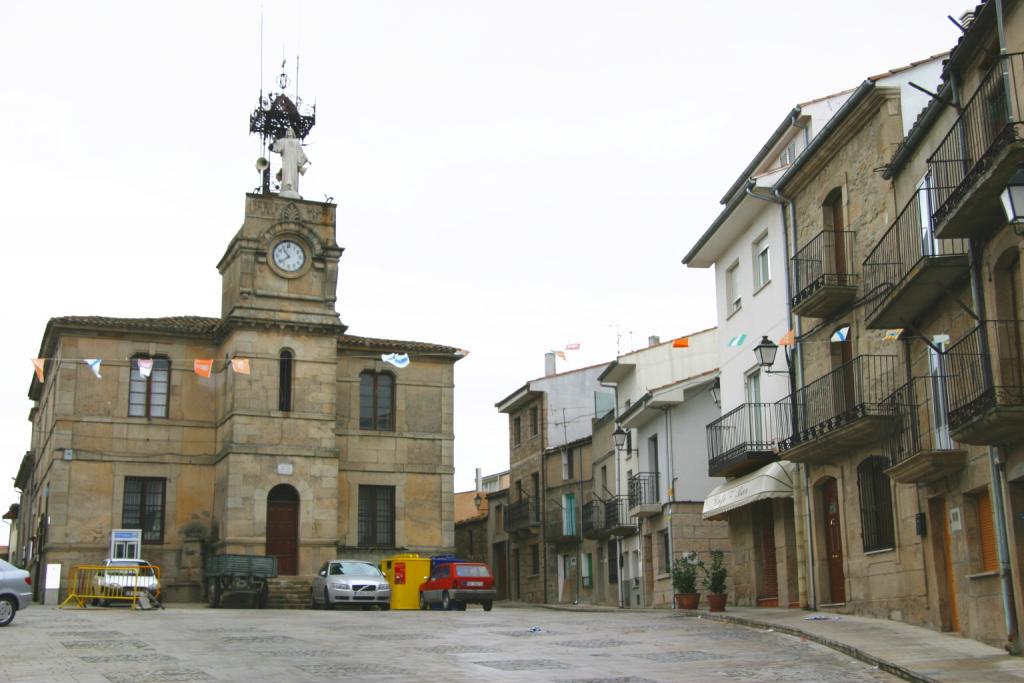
x,y
714,581
684,581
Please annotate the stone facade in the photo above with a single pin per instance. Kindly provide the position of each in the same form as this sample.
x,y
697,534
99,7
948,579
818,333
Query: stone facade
x,y
229,439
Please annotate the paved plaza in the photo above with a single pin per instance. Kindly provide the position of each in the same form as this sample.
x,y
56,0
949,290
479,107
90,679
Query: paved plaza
x,y
193,643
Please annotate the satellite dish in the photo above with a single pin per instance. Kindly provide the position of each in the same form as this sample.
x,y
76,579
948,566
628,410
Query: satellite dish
x,y
262,164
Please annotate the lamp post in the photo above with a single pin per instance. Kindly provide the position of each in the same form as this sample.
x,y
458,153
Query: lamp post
x,y
1013,200
716,392
766,351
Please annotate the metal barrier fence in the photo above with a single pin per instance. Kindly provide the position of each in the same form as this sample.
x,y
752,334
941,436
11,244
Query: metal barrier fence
x,y
99,584
825,261
984,125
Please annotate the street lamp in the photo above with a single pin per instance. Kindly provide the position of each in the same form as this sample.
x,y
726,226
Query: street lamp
x,y
477,500
1013,200
765,351
619,436
716,392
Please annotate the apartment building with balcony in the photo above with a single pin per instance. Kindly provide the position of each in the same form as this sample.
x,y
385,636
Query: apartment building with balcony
x,y
746,245
663,402
858,548
947,273
550,427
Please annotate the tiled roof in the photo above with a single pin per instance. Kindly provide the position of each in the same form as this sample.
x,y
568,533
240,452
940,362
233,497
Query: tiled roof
x,y
396,345
181,324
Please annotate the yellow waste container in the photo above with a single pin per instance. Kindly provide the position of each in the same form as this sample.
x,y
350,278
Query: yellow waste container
x,y
405,573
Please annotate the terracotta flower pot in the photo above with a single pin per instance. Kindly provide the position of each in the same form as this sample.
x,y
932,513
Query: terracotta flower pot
x,y
716,602
687,600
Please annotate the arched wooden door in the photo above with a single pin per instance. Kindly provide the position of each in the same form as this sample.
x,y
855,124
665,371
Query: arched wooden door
x,y
833,541
283,528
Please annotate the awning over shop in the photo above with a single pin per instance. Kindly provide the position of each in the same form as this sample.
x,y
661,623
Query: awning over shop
x,y
771,481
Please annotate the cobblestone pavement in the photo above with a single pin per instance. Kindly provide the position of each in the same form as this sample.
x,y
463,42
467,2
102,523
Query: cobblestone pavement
x,y
192,643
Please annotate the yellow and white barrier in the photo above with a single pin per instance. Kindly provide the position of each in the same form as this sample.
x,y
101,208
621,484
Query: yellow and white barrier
x,y
99,584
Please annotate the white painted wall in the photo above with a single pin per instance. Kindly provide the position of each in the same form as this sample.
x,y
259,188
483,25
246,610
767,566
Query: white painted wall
x,y
572,392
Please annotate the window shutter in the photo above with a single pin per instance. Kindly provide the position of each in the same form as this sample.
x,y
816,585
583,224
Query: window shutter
x,y
987,534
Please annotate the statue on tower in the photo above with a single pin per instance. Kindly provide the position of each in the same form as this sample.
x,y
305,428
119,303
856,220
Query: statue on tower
x,y
282,124
293,163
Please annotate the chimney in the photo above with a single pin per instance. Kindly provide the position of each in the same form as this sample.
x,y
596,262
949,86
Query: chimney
x,y
653,340
478,479
549,364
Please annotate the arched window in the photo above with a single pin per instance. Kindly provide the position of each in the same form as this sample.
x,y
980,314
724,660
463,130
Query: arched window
x,y
284,387
377,401
875,504
149,386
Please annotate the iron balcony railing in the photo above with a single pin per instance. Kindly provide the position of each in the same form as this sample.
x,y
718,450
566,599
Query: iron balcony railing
x,y
593,517
921,416
563,523
907,241
825,261
643,489
982,128
616,513
521,514
854,390
748,428
985,370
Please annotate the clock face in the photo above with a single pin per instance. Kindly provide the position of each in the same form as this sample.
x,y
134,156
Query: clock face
x,y
289,256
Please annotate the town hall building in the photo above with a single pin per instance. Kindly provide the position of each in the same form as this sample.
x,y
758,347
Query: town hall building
x,y
269,430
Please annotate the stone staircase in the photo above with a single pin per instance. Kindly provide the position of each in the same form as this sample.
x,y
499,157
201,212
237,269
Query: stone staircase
x,y
289,592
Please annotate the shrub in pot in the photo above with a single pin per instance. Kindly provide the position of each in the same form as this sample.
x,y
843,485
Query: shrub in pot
x,y
714,581
684,581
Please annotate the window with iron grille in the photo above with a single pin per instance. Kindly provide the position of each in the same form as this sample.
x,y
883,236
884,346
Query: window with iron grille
x,y
147,394
377,401
613,561
875,504
377,516
286,363
143,507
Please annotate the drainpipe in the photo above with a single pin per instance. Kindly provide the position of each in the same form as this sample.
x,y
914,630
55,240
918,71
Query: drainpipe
x,y
997,463
795,323
671,488
618,541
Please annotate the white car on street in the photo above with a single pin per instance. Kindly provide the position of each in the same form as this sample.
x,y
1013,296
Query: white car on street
x,y
15,591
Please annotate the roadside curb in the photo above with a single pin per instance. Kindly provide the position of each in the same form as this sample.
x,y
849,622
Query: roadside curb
x,y
849,650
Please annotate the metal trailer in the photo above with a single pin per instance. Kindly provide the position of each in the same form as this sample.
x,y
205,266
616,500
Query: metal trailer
x,y
239,574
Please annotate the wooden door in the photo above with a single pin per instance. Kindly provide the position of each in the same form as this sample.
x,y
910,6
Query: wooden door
x,y
768,593
283,528
943,553
648,571
833,542
844,392
834,210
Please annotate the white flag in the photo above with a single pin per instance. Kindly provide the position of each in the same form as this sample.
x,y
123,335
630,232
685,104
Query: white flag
x,y
94,365
145,366
399,360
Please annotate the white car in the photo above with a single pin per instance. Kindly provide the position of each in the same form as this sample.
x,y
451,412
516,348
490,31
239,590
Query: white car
x,y
350,582
127,577
15,591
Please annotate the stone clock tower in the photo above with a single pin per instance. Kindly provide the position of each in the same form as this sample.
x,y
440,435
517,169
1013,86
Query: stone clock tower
x,y
282,266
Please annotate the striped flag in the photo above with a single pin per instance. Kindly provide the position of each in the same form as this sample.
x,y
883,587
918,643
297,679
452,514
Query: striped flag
x,y
737,341
399,360
575,346
39,364
892,335
841,335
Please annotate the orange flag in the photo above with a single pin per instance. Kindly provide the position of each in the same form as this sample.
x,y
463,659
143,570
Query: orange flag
x,y
202,366
788,339
681,343
240,365
38,364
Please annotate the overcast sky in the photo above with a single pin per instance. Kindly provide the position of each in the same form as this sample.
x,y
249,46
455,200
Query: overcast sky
x,y
510,176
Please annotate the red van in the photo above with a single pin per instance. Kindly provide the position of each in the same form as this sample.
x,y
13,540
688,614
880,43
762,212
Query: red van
x,y
453,585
